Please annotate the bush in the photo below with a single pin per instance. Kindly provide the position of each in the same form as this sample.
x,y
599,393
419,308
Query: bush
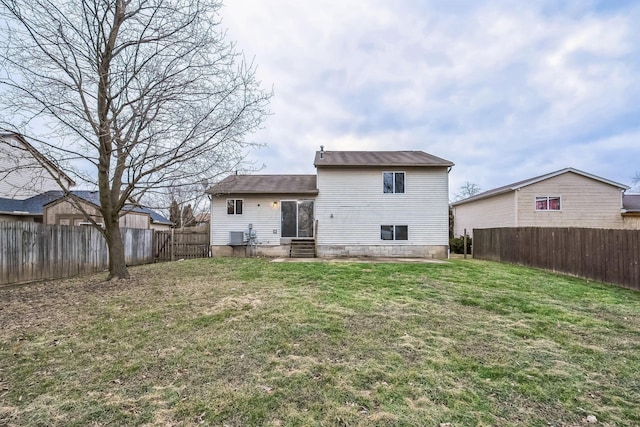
x,y
456,245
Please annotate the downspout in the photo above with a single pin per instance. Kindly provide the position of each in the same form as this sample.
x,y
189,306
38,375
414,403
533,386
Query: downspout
x,y
448,216
516,194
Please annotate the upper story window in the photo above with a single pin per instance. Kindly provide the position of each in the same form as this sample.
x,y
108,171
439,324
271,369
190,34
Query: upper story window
x,y
234,206
393,182
547,203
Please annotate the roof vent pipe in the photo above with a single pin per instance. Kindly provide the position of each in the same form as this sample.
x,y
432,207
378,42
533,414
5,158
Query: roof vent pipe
x,y
322,151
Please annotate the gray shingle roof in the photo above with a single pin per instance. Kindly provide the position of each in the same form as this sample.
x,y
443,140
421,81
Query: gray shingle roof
x,y
378,159
631,202
35,205
266,184
516,185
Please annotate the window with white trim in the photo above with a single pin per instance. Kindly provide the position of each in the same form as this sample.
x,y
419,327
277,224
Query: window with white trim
x,y
394,232
548,203
393,182
234,206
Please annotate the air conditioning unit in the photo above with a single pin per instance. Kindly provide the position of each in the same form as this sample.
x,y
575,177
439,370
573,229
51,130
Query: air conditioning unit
x,y
236,238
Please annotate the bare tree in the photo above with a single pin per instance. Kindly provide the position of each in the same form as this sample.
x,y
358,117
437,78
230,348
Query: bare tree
x,y
636,182
468,189
181,196
140,94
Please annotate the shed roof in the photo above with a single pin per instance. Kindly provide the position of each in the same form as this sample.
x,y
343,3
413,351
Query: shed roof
x,y
35,205
378,159
631,202
520,184
266,184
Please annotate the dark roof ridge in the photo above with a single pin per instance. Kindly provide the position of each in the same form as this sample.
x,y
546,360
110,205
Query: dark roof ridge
x,y
381,158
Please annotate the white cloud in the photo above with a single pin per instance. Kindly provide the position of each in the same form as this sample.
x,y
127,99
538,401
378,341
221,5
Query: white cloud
x,y
504,90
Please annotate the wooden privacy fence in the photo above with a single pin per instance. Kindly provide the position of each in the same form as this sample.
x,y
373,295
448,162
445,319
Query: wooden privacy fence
x,y
181,243
605,255
30,251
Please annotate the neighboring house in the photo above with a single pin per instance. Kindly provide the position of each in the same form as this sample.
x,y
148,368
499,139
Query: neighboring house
x,y
53,207
202,219
360,203
564,198
24,171
631,211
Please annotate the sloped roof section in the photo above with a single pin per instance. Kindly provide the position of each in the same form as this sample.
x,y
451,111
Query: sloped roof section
x,y
12,206
35,205
337,159
631,202
520,184
266,184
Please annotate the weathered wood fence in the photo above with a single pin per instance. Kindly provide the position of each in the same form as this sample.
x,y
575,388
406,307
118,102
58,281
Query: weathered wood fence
x,y
606,255
181,243
30,251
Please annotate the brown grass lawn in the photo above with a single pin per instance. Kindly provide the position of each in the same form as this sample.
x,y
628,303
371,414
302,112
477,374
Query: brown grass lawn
x,y
244,342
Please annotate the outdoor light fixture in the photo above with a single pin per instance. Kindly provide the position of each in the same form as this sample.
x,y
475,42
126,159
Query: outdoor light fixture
x,y
275,204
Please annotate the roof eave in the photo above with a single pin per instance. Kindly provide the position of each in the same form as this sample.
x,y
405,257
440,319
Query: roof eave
x,y
483,196
20,213
385,165
573,170
252,193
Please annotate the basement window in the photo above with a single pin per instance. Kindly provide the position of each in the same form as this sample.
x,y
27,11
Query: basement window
x,y
548,203
394,232
234,206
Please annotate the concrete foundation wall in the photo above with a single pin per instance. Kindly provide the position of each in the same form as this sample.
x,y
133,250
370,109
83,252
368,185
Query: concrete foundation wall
x,y
394,251
241,251
329,251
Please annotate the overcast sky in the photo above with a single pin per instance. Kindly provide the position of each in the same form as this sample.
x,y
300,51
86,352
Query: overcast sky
x,y
506,90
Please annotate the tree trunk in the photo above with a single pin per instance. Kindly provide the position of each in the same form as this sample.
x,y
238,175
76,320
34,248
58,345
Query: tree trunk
x,y
117,265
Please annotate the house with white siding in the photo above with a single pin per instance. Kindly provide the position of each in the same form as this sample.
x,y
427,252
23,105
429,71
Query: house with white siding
x,y
25,172
565,198
359,203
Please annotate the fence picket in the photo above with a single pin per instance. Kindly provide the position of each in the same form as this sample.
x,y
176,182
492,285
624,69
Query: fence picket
x,y
31,251
599,254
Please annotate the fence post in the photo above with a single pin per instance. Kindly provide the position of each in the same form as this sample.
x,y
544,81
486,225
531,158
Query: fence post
x,y
171,251
464,251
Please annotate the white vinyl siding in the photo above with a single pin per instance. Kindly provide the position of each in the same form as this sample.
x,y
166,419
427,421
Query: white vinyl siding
x,y
258,210
350,207
22,175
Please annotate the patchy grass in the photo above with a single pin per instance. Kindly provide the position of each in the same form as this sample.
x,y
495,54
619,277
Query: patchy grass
x,y
238,342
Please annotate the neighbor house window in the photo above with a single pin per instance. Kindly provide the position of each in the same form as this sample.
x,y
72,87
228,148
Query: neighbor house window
x,y
394,232
547,203
393,182
234,206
